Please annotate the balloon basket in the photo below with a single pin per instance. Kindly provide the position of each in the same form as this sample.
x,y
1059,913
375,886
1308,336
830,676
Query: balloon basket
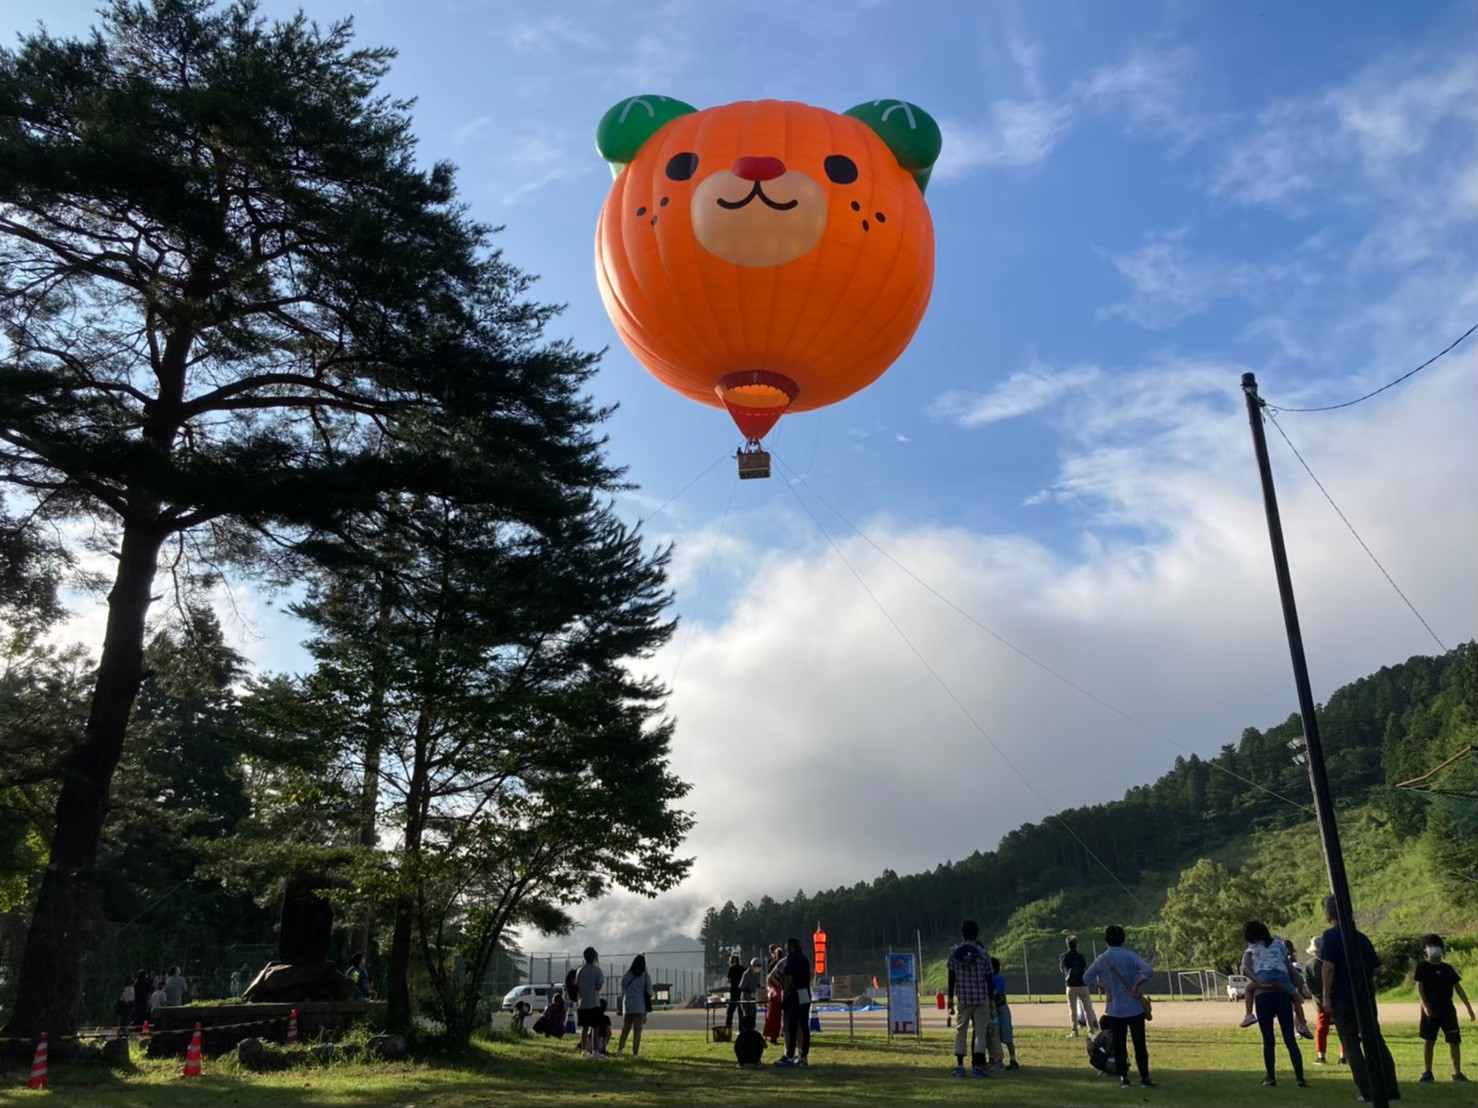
x,y
753,462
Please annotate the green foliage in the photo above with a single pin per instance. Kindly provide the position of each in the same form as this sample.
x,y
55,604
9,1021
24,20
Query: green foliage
x,y
1205,911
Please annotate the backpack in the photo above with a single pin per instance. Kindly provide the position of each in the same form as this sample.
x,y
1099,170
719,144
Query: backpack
x,y
749,1047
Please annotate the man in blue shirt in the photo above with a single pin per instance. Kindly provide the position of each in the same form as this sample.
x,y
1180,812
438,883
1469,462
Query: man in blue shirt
x,y
1121,972
1339,1001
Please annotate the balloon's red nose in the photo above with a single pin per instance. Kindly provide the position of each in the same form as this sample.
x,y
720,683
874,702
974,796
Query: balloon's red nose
x,y
759,169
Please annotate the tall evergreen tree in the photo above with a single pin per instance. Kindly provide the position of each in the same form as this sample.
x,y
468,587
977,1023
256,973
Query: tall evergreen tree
x,y
235,312
522,768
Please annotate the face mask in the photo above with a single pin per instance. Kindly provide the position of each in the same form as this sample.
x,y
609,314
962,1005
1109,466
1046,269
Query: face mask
x,y
1434,952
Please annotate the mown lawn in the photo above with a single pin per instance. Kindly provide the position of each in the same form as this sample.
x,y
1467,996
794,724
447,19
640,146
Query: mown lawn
x,y
1193,1067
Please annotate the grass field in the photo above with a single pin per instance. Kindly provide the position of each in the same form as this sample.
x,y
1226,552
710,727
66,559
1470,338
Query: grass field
x,y
1193,1067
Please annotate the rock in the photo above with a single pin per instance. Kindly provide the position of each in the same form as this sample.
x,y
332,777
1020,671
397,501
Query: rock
x,y
115,1053
326,1052
386,1047
284,982
255,1055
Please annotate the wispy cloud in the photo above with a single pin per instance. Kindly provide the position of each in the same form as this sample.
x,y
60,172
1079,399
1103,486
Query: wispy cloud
x,y
1169,283
536,36
1026,391
1365,134
1149,90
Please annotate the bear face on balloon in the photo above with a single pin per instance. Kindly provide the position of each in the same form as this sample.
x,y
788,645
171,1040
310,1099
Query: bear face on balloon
x,y
766,256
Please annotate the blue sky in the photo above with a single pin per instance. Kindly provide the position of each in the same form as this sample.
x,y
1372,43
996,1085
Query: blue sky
x,y
1136,203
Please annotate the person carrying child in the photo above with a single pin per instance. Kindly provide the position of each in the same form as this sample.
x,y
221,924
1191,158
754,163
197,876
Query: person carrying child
x,y
1268,965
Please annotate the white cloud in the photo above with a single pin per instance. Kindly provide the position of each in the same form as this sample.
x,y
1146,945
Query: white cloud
x,y
1165,605
1023,392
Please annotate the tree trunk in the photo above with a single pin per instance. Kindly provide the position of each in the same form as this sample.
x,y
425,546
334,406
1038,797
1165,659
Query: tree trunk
x,y
51,968
397,975
398,1011
374,743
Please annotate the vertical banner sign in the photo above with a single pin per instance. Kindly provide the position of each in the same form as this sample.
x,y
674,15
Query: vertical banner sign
x,y
903,995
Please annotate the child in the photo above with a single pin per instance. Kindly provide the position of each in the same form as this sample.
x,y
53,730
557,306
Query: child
x,y
1001,1033
521,1012
1268,964
1436,981
1101,1049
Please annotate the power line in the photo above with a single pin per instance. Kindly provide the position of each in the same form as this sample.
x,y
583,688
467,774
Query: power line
x,y
1043,666
1345,520
1358,400
957,701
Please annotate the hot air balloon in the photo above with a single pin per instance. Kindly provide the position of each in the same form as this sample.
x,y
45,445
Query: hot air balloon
x,y
766,256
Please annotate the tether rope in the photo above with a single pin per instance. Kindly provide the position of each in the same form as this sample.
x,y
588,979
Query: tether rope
x,y
958,702
703,586
728,453
1043,666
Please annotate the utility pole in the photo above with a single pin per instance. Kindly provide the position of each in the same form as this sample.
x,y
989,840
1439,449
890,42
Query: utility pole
x,y
1334,858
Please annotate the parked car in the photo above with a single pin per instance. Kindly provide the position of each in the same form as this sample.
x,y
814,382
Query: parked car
x,y
1237,986
537,996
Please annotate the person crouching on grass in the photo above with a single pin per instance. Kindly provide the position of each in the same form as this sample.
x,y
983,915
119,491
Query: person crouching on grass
x,y
1436,981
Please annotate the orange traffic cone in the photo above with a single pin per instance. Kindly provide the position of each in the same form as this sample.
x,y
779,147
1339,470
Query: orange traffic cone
x,y
192,1055
38,1065
144,1034
292,1028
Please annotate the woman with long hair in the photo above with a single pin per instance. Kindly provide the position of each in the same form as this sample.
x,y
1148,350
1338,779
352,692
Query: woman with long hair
x,y
636,989
774,999
1270,964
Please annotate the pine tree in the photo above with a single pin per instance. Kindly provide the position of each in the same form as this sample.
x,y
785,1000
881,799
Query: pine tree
x,y
234,313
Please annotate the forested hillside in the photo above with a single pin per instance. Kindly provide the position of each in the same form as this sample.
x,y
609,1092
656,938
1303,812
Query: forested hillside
x,y
1391,726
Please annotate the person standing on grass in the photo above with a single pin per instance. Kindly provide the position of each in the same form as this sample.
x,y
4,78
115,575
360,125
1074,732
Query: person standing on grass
x,y
735,975
1339,950
1436,981
972,980
590,979
636,994
175,987
774,998
1314,978
1001,1032
1122,973
749,987
794,972
1072,963
1269,962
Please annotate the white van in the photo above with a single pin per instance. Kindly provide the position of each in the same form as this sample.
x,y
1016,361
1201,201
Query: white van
x,y
536,996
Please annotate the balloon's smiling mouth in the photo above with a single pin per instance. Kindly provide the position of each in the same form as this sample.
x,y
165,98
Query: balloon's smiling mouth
x,y
757,191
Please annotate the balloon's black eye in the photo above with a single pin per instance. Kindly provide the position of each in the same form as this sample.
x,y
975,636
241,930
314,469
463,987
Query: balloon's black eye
x,y
682,166
841,169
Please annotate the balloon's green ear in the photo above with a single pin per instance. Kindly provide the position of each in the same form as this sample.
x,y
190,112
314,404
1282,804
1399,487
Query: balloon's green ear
x,y
629,124
908,130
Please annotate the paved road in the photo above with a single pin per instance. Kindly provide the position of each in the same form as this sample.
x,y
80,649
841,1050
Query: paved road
x,y
1187,1013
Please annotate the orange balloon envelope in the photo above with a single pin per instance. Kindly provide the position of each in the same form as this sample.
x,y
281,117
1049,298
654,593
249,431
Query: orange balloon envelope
x,y
766,256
